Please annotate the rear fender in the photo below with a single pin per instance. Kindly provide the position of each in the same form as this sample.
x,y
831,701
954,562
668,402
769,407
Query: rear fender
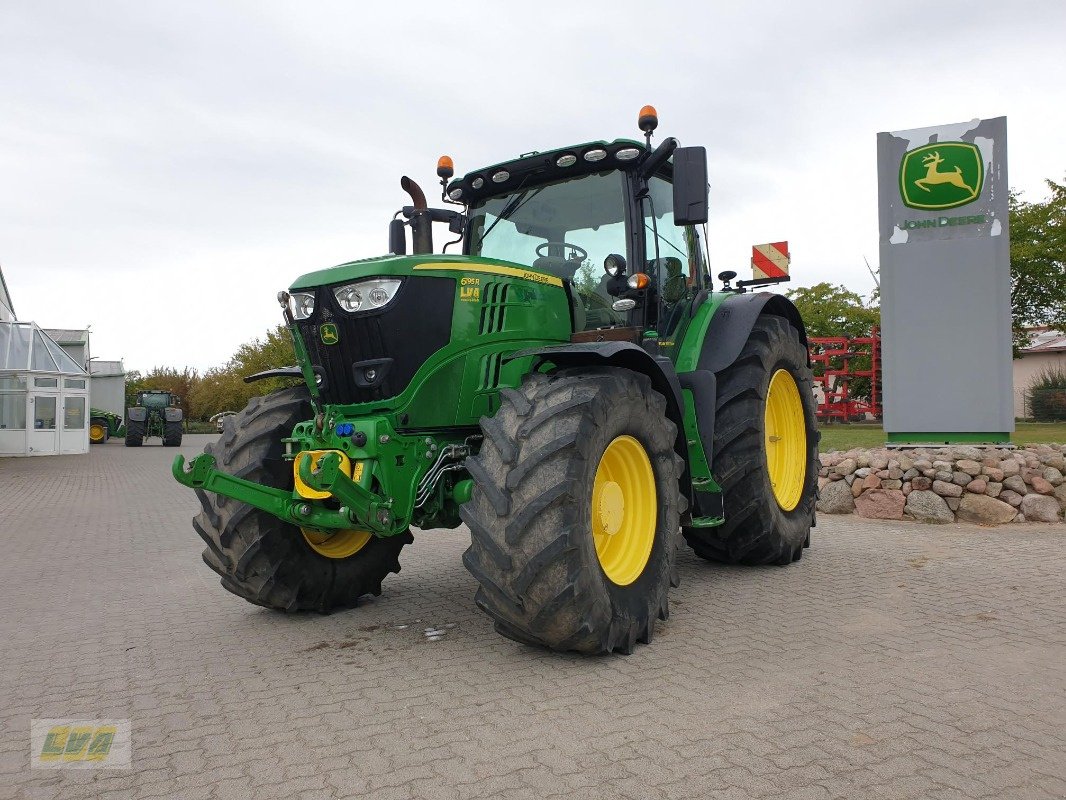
x,y
173,415
626,356
137,414
720,344
732,322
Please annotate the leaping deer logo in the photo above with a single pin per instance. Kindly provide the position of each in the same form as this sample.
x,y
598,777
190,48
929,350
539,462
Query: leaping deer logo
x,y
933,177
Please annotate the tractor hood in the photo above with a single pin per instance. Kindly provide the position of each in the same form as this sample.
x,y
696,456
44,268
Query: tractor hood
x,y
423,264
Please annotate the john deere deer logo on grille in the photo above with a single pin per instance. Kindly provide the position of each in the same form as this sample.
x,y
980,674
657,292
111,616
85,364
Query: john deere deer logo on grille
x,y
328,333
942,175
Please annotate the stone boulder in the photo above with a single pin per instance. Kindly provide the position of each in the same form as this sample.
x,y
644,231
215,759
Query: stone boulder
x,y
1008,496
977,486
880,504
1060,494
836,498
1041,486
1040,508
945,489
921,484
928,507
1056,461
1015,484
846,467
1052,476
985,510
966,465
993,473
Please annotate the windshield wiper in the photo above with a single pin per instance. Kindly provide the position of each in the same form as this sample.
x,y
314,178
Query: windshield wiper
x,y
512,206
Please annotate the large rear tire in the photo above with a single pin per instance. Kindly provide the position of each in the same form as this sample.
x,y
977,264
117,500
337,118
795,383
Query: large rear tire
x,y
765,451
269,562
172,434
134,433
574,517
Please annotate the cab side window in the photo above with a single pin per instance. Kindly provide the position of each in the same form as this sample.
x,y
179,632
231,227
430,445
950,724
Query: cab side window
x,y
672,255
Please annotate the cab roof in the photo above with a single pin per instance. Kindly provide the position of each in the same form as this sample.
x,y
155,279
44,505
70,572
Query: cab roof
x,y
536,168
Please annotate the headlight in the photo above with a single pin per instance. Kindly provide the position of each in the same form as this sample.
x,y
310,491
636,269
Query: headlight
x,y
302,305
367,295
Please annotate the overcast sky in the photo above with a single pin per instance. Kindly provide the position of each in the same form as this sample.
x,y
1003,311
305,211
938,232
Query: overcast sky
x,y
166,168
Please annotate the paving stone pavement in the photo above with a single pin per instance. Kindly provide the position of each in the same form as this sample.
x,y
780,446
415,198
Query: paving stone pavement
x,y
894,661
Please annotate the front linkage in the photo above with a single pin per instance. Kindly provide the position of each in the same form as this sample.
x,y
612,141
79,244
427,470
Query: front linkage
x,y
382,481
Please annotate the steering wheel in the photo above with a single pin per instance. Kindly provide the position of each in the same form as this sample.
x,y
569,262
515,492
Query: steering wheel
x,y
576,253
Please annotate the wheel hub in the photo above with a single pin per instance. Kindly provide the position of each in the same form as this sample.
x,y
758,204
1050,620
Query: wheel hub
x,y
341,544
786,439
612,508
624,510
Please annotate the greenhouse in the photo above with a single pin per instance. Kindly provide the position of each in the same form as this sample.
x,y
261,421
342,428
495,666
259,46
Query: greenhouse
x,y
44,395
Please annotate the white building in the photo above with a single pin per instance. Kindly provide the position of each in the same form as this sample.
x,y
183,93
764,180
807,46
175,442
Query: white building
x,y
74,342
7,308
108,386
1046,351
44,395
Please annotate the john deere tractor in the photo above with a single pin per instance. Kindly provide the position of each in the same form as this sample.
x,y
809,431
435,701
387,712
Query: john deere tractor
x,y
567,384
156,414
103,425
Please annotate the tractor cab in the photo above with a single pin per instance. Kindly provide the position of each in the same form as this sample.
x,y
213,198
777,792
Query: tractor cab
x,y
618,222
156,399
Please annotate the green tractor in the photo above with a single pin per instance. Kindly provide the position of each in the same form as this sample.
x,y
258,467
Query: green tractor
x,y
569,386
155,414
103,425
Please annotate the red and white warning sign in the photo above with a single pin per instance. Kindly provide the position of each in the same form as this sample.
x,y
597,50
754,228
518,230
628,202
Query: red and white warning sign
x,y
770,260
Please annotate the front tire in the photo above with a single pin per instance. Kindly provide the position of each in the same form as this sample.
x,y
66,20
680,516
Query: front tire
x,y
765,451
269,562
575,511
98,430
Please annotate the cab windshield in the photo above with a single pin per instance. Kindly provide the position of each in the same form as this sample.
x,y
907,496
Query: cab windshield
x,y
565,229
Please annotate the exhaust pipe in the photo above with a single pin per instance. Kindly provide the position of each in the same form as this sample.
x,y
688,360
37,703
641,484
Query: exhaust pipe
x,y
421,224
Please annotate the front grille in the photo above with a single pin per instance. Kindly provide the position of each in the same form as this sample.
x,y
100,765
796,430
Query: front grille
x,y
406,332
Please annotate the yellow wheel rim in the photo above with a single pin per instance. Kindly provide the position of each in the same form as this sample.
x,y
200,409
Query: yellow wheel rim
x,y
97,433
786,439
624,510
341,544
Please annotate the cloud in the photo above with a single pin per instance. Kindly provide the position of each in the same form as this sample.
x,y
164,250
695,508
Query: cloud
x,y
167,168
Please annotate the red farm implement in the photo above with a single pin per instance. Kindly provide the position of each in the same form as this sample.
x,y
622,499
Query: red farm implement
x,y
847,371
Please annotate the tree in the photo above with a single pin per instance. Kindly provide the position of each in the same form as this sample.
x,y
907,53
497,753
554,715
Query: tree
x,y
1038,263
224,389
829,310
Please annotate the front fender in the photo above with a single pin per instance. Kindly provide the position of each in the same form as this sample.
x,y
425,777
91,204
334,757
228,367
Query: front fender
x,y
625,355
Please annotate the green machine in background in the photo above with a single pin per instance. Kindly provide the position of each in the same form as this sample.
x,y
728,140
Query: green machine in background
x,y
103,425
567,385
155,414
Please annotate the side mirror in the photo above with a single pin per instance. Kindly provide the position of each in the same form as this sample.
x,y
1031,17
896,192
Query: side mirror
x,y
690,186
397,238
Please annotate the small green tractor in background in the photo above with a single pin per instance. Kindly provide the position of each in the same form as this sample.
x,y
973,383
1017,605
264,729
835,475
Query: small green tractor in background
x,y
156,414
569,386
103,425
